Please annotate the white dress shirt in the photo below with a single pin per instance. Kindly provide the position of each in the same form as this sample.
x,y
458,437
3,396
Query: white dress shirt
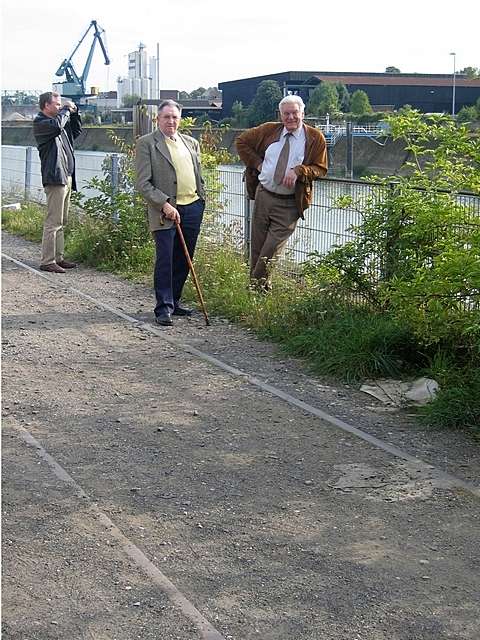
x,y
295,157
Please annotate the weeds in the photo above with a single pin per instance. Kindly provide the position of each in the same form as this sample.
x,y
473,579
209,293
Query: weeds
x,y
28,222
335,340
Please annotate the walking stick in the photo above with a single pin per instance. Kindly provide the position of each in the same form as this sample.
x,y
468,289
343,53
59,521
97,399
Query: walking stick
x,y
192,271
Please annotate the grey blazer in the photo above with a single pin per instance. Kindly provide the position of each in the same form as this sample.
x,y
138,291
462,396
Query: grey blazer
x,y
156,176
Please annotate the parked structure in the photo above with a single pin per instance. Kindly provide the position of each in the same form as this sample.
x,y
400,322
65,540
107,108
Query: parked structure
x,y
426,92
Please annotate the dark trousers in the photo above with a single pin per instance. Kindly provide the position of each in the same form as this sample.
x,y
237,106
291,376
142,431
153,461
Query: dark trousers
x,y
171,266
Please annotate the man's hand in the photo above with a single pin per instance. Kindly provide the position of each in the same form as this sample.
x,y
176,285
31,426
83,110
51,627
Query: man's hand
x,y
289,179
170,212
71,106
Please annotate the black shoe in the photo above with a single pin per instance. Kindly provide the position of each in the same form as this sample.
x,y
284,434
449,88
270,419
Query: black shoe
x,y
65,264
165,319
52,267
181,311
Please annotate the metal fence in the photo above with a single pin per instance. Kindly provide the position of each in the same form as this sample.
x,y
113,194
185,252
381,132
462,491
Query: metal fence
x,y
325,223
228,208
21,176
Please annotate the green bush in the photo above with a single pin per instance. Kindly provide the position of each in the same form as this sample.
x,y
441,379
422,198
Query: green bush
x,y
416,252
457,404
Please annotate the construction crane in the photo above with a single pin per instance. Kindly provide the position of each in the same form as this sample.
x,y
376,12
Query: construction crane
x,y
75,85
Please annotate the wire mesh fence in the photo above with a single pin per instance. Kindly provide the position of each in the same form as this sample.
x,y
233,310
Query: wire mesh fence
x,y
21,172
326,224
228,210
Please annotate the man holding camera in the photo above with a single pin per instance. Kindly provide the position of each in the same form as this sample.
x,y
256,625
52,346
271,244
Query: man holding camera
x,y
55,127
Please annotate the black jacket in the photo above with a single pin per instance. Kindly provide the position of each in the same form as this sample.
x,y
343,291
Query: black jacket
x,y
54,137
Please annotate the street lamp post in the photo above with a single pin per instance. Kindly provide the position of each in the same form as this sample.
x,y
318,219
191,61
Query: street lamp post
x,y
453,82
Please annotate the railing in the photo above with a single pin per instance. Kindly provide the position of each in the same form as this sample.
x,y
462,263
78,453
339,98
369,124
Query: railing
x,y
21,171
228,209
333,132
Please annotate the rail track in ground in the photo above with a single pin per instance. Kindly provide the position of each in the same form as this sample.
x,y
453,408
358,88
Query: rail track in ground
x,y
155,487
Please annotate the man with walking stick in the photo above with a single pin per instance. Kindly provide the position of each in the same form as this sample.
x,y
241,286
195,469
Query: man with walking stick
x,y
169,178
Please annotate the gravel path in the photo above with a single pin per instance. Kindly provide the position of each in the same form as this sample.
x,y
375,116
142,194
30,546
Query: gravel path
x,y
269,522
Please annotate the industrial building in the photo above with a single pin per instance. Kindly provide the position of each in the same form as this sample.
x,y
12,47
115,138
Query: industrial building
x,y
386,91
142,79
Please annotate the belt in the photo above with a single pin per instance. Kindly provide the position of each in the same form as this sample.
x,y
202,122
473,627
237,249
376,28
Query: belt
x,y
283,196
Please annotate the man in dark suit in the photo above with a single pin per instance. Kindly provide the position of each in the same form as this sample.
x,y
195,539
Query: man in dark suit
x,y
55,127
169,178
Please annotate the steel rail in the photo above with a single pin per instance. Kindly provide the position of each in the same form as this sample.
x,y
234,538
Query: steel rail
x,y
447,478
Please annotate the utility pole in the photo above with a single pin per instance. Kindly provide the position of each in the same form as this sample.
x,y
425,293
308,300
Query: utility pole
x,y
158,71
453,82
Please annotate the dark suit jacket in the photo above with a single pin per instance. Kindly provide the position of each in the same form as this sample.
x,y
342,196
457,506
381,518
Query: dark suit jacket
x,y
51,136
156,176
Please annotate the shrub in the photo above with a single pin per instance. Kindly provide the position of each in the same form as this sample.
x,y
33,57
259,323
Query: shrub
x,y
416,252
457,404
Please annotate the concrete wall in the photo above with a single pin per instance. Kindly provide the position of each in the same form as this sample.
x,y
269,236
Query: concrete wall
x,y
91,138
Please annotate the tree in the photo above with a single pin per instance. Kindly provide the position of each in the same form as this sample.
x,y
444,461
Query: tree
x,y
88,117
239,115
197,93
392,70
324,99
129,100
343,97
264,106
19,98
213,93
359,103
471,72
467,114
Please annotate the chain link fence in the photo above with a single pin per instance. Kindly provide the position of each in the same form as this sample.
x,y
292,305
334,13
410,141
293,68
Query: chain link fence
x,y
228,211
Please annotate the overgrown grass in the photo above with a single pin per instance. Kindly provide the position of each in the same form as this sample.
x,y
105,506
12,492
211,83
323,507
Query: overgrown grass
x,y
457,405
97,243
27,223
109,247
341,342
337,341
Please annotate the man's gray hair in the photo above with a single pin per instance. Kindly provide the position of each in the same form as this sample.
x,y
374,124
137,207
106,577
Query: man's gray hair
x,y
291,99
169,103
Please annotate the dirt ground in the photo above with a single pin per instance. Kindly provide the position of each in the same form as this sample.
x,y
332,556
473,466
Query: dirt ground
x,y
149,494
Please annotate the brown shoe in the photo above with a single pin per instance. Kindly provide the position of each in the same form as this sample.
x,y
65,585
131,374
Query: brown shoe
x,y
65,264
53,267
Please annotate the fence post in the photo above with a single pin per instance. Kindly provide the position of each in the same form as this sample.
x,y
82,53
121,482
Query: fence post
x,y
246,222
28,172
390,263
349,167
144,117
115,176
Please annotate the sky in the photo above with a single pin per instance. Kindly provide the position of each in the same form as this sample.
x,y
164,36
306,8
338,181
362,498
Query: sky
x,y
205,42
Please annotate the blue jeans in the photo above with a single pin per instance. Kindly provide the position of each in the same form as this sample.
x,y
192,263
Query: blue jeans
x,y
171,266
